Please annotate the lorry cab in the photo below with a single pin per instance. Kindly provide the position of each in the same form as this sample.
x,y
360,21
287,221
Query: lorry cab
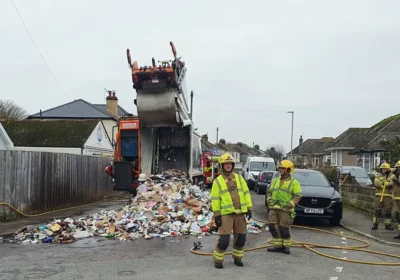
x,y
253,167
126,166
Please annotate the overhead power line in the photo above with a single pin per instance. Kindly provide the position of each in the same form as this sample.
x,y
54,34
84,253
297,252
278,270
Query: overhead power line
x,y
37,48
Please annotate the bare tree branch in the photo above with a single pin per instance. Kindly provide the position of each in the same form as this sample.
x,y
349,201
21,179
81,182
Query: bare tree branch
x,y
11,111
276,152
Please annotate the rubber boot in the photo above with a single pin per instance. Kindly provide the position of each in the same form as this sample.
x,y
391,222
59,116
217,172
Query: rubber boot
x,y
374,226
238,262
275,249
389,227
286,250
397,236
218,265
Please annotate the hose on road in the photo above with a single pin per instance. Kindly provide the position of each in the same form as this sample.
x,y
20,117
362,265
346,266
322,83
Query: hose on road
x,y
58,210
312,247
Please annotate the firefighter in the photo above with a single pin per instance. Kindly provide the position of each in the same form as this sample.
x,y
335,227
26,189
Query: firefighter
x,y
383,180
283,195
231,204
396,197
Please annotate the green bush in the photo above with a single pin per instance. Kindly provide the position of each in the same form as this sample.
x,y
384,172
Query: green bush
x,y
372,177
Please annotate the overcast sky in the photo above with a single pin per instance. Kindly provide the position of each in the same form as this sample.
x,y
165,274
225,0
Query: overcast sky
x,y
335,63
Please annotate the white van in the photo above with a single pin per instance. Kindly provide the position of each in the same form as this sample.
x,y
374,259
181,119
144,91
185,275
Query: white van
x,y
253,166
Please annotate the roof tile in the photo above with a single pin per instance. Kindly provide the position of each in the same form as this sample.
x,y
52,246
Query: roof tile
x,y
50,133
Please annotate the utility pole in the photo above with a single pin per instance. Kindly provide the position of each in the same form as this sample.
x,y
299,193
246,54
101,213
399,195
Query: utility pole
x,y
217,136
291,140
191,105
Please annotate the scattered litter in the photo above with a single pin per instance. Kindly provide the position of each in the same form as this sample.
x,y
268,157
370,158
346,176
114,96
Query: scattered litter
x,y
166,205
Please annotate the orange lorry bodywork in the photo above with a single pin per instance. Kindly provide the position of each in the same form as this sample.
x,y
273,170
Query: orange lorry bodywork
x,y
127,123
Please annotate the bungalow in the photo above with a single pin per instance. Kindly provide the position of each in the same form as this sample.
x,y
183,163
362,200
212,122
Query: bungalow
x,y
314,155
83,110
346,142
369,151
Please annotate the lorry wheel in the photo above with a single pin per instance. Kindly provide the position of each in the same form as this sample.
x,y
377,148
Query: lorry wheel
x,y
134,192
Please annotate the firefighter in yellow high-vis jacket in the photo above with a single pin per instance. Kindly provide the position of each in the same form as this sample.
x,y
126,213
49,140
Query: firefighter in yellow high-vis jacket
x,y
383,197
231,204
283,195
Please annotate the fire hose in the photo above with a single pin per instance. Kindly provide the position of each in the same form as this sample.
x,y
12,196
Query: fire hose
x,y
313,246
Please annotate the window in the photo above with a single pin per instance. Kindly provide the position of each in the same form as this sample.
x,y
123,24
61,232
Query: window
x,y
333,157
311,179
337,157
129,144
260,166
315,161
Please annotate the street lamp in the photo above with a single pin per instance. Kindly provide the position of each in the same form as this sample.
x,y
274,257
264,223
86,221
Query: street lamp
x,y
291,142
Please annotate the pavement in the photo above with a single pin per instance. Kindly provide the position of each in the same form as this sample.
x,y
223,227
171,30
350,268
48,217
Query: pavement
x,y
99,258
361,223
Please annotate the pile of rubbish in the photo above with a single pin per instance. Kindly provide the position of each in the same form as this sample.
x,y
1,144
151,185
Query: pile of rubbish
x,y
165,205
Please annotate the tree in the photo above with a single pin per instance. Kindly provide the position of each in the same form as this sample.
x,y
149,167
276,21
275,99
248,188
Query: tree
x,y
276,152
11,111
392,150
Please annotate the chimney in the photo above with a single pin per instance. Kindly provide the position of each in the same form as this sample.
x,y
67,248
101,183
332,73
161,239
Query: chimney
x,y
301,144
222,141
112,104
257,146
205,137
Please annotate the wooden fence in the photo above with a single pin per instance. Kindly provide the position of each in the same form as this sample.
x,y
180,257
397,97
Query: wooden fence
x,y
36,182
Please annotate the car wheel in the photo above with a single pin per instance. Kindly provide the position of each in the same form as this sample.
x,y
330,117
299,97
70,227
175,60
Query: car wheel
x,y
334,221
250,185
258,190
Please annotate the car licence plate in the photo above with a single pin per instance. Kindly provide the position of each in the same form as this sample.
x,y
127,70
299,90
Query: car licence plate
x,y
314,211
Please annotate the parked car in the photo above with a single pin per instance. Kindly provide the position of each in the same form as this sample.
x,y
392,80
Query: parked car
x,y
359,173
320,198
263,182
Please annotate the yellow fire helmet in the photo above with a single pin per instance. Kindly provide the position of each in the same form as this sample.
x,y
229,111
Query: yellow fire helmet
x,y
226,158
385,166
397,164
287,164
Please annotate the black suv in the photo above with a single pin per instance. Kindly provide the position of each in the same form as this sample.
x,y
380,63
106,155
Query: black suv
x,y
320,198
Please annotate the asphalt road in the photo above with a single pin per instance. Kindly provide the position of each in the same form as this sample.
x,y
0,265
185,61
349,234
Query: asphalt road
x,y
98,258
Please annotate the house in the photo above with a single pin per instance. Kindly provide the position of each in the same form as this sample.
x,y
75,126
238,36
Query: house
x,y
236,151
87,137
314,155
297,155
221,147
346,142
368,152
83,110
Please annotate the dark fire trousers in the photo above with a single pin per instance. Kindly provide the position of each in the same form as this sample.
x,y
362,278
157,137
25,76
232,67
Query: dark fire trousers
x,y
279,227
235,223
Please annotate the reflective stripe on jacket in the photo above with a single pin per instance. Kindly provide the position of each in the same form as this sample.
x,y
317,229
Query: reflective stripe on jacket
x,y
280,196
382,182
221,200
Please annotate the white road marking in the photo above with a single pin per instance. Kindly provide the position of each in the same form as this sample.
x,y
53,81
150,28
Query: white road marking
x,y
344,258
344,251
339,269
344,238
334,278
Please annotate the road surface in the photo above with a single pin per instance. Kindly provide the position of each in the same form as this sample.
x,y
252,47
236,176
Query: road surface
x,y
98,258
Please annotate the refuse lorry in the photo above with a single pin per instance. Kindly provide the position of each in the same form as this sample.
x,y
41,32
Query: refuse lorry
x,y
168,137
